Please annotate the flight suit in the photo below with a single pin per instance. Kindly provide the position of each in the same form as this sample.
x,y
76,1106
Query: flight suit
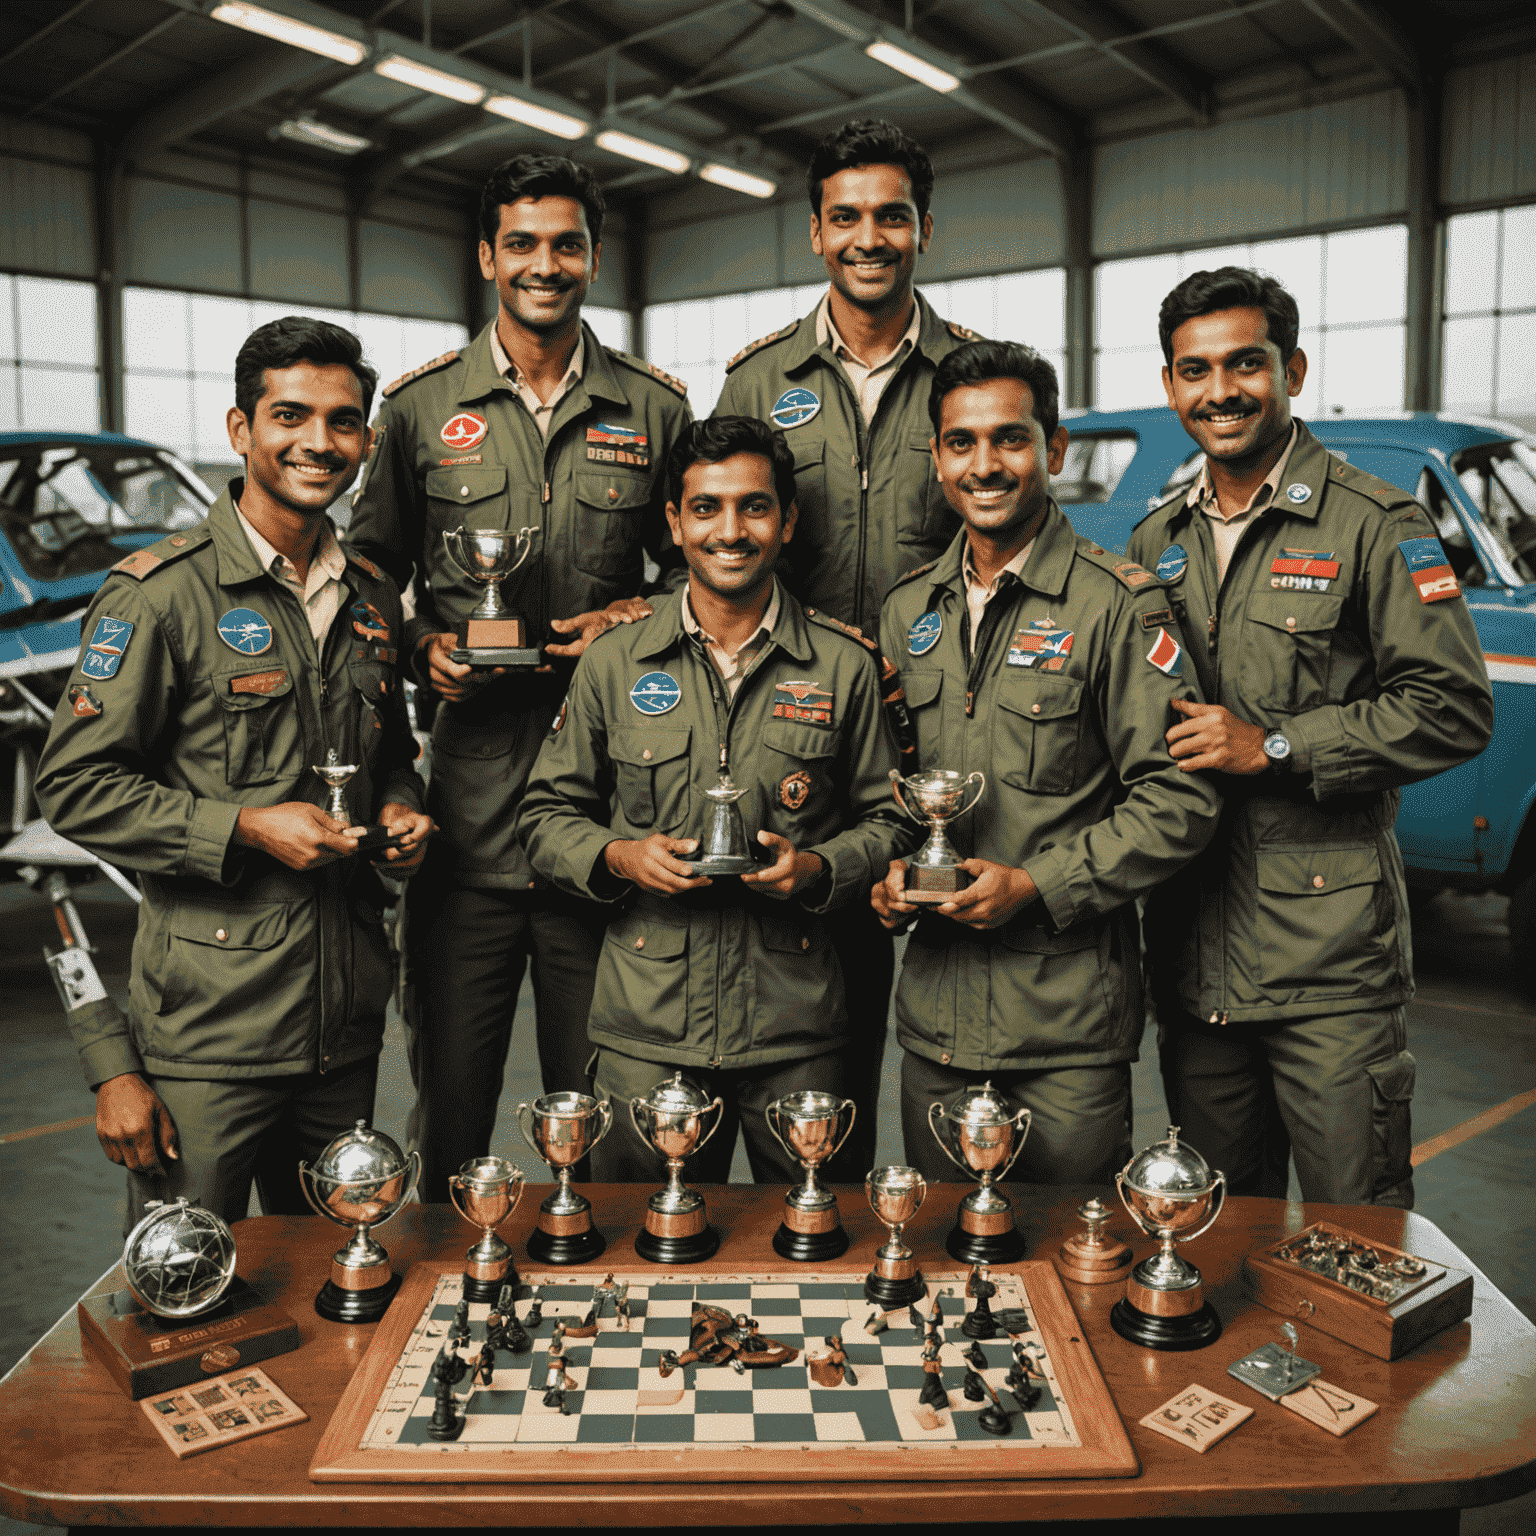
x,y
1281,961
871,509
257,991
726,983
456,446
1061,699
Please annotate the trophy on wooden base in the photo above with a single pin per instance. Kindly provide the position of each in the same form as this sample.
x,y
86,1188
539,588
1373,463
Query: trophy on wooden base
x,y
493,635
939,795
982,1131
562,1128
810,1126
896,1194
1088,1258
674,1119
491,1188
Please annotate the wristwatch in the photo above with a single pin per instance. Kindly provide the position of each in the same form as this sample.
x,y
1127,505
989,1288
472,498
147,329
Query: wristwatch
x,y
1277,748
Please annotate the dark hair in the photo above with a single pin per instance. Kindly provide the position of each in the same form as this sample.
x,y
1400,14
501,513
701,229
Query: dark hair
x,y
978,362
297,339
1203,293
718,438
540,175
870,141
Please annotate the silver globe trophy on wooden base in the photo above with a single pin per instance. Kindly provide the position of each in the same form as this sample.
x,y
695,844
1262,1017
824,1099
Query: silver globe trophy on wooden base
x,y
939,795
895,1194
1172,1195
676,1119
563,1128
493,635
723,847
982,1131
490,1188
810,1126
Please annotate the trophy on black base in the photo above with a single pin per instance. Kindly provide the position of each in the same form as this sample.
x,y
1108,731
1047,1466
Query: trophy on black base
x,y
939,795
493,635
672,1118
562,1128
896,1195
982,1131
491,1188
810,1126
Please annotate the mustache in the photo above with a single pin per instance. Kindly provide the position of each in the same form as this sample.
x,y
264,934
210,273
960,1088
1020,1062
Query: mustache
x,y
559,284
992,483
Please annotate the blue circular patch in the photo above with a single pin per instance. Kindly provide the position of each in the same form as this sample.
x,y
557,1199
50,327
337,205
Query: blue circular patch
x,y
656,693
1172,562
924,634
794,408
244,630
1299,492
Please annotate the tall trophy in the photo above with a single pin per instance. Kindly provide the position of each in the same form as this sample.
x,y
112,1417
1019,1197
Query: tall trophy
x,y
810,1126
896,1195
982,1131
675,1119
360,1180
723,848
562,1128
493,635
1172,1195
939,795
491,1188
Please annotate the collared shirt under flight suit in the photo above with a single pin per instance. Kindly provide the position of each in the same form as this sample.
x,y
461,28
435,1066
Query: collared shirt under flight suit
x,y
1056,700
258,991
1281,961
724,981
594,489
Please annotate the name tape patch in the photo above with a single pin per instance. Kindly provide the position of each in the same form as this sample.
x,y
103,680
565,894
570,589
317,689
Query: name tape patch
x,y
618,445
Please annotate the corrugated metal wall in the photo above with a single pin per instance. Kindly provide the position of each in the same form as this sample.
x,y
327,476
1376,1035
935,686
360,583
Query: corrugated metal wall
x,y
1490,132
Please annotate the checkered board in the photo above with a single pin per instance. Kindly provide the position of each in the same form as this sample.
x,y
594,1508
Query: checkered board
x,y
624,1420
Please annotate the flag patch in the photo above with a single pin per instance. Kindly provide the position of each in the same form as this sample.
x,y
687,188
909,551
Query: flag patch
x,y
1429,570
1045,649
618,445
1167,654
803,701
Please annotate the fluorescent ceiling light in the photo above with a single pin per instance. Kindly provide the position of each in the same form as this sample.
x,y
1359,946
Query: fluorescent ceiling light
x,y
561,124
424,78
305,130
284,29
738,181
931,75
642,149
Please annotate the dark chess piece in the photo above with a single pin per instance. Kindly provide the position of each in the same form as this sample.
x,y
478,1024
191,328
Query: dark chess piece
x,y
458,1329
977,1356
555,1380
974,1387
448,1371
994,1420
535,1312
876,1325
1026,1397
915,1318
979,1322
933,1393
515,1336
590,1320
485,1366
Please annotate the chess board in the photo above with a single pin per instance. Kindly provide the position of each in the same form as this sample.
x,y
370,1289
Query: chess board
x,y
624,1420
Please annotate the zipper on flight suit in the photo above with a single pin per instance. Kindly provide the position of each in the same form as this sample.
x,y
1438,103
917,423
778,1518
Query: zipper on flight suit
x,y
989,616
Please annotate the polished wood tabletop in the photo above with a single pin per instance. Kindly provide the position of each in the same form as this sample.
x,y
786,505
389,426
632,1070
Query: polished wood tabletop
x,y
1456,1427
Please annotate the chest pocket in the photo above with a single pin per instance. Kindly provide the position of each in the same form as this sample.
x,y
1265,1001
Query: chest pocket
x,y
474,495
924,690
1287,645
261,728
609,508
372,681
937,519
810,497
1035,733
650,766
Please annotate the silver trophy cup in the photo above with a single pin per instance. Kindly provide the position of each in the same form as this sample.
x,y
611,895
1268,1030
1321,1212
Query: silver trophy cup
x,y
493,635
982,1131
937,797
810,1126
336,775
485,1191
723,848
896,1194
676,1119
563,1128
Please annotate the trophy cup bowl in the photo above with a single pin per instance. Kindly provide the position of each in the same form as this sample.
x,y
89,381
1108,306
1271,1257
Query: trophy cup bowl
x,y
491,1188
360,1180
563,1128
723,848
937,797
810,1126
179,1260
676,1119
493,635
982,1131
1173,1195
896,1194
336,775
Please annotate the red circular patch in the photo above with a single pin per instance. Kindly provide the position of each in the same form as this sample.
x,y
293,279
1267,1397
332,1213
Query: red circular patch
x,y
794,790
464,430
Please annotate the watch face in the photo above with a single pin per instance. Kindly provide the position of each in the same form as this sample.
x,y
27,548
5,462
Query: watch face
x,y
1276,746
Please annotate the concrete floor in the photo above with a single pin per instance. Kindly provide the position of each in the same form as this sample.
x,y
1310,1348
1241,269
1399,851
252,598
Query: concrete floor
x,y
1472,1028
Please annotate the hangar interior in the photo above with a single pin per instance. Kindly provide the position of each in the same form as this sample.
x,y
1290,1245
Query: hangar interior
x,y
174,172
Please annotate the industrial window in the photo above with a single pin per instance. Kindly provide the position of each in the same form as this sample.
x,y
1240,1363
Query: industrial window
x,y
610,326
49,374
1490,315
1351,289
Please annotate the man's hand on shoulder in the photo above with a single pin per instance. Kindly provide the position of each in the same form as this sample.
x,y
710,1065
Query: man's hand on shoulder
x,y
997,892
1211,736
588,626
790,872
653,865
295,833
415,827
133,1126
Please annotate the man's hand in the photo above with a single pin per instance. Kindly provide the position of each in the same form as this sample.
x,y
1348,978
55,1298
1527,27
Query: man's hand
x,y
888,898
453,680
415,827
996,893
296,833
588,626
789,873
651,863
133,1126
1210,736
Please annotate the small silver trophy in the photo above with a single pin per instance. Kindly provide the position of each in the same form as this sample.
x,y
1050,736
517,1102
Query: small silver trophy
x,y
493,635
723,848
676,1119
1273,1371
896,1194
337,775
982,1131
1172,1195
939,794
810,1126
491,1188
562,1128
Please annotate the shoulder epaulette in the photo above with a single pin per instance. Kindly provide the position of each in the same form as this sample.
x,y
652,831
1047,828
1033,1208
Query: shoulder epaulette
x,y
962,333
816,616
1382,492
1131,576
914,572
640,365
145,562
761,342
416,373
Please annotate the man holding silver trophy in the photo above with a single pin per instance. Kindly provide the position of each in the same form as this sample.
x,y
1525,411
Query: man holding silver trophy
x,y
1042,669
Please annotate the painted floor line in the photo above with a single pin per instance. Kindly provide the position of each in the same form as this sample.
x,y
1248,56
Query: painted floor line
x,y
1473,1127
1494,1013
48,1130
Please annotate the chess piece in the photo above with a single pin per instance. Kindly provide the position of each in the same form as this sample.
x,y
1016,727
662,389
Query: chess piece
x,y
915,1318
875,1324
516,1336
485,1366
979,1322
458,1329
621,1304
994,1417
974,1388
977,1356
448,1371
535,1312
933,1393
1089,1258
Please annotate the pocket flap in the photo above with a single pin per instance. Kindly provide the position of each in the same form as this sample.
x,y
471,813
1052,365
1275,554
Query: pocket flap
x,y
785,936
921,687
1297,613
247,928
1033,938
250,690
467,484
1041,698
918,439
613,492
808,452
1394,1077
800,740
1316,871
647,939
647,745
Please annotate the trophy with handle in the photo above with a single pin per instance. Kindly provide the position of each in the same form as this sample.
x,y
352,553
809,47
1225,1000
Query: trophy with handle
x,y
675,1119
982,1131
939,796
490,1188
810,1126
896,1194
562,1128
493,635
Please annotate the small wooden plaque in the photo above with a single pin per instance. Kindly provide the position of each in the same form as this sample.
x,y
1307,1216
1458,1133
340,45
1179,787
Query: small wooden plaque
x,y
221,1411
1197,1417
492,634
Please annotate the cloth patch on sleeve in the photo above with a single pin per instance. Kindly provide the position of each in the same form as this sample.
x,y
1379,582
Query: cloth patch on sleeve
x,y
84,703
618,445
807,702
1167,655
1429,570
108,645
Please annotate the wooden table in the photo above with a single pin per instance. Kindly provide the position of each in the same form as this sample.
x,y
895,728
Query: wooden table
x,y
1457,1425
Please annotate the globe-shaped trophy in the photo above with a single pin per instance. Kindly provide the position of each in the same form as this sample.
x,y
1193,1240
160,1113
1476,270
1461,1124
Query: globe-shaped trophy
x,y
563,1128
675,1119
810,1126
179,1260
982,1131
360,1180
493,635
1173,1195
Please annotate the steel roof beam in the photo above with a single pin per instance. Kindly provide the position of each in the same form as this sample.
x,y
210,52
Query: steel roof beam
x,y
33,38
1370,31
163,25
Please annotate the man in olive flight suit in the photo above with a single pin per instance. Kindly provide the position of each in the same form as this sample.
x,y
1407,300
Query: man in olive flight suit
x,y
733,980
1330,634
1045,663
535,424
220,666
848,385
